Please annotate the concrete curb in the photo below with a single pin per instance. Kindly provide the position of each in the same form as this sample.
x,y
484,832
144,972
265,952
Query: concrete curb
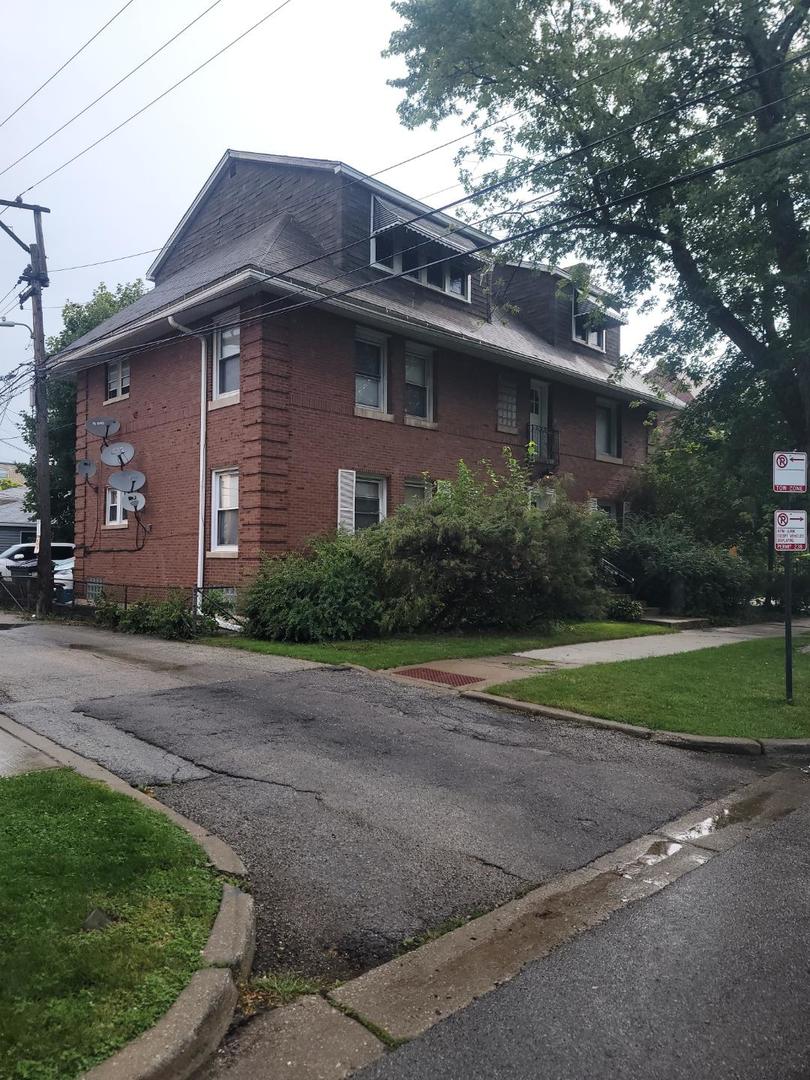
x,y
713,744
189,1033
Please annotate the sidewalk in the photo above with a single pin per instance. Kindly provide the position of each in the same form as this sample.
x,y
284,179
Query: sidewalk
x,y
485,671
18,757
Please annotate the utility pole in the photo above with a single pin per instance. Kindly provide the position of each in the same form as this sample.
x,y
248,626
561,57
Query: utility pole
x,y
36,276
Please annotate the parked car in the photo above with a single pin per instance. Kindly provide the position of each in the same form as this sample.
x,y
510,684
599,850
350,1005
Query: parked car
x,y
22,553
63,581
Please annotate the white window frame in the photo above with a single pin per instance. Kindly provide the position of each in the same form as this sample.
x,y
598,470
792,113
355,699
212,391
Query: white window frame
x,y
373,337
373,478
599,335
614,407
227,319
420,276
421,352
215,509
112,501
116,368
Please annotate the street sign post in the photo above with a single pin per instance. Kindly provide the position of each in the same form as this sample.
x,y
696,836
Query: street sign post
x,y
790,471
789,535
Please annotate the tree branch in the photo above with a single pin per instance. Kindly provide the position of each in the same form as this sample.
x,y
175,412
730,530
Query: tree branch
x,y
790,26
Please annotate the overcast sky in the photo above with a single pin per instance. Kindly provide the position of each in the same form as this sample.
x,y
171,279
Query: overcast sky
x,y
309,82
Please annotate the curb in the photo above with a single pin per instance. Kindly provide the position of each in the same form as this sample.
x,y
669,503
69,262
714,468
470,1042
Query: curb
x,y
712,744
188,1034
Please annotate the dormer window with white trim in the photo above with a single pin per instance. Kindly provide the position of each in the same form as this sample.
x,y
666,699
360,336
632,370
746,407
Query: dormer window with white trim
x,y
586,323
422,251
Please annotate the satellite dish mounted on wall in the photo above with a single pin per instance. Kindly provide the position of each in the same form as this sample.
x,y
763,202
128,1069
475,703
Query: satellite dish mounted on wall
x,y
128,480
118,454
102,426
86,467
133,500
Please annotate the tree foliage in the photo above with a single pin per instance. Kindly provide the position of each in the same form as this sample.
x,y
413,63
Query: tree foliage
x,y
77,319
729,251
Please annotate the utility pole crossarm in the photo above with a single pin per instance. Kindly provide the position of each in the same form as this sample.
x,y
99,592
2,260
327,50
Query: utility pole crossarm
x,y
14,237
24,206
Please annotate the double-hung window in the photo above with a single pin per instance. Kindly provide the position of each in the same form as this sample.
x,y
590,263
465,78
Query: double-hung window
x,y
226,357
362,500
225,510
608,429
370,375
115,512
585,326
117,376
418,381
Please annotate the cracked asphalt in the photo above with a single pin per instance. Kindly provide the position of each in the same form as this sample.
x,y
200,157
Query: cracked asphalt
x,y
366,811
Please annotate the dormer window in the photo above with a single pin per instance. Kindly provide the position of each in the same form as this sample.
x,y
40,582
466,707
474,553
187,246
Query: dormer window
x,y
423,250
586,323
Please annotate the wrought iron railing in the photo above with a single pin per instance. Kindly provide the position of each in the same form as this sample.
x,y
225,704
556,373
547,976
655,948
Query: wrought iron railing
x,y
543,447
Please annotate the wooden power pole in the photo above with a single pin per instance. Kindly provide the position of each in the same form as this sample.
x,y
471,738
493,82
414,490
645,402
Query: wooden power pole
x,y
36,276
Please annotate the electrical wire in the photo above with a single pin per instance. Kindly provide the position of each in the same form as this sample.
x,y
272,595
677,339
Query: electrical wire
x,y
69,60
155,100
101,262
110,89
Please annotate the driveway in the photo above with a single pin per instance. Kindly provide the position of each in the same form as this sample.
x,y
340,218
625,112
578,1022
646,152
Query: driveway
x,y
366,811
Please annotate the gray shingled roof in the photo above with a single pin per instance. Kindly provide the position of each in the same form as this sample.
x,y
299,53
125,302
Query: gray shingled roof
x,y
11,508
280,243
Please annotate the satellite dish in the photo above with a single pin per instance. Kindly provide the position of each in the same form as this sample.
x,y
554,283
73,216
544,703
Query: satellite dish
x,y
133,500
118,454
128,480
102,426
86,467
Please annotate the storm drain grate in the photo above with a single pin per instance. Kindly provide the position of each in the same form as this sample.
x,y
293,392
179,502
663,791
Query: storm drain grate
x,y
449,678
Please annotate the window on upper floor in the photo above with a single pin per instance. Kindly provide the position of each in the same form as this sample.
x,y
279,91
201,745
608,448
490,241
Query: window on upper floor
x,y
585,322
608,429
117,380
370,370
424,251
226,357
418,381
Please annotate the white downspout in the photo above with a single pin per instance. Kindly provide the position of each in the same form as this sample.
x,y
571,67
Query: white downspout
x,y
203,428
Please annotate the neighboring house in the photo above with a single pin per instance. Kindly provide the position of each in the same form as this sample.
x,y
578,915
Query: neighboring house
x,y
17,526
265,407
10,472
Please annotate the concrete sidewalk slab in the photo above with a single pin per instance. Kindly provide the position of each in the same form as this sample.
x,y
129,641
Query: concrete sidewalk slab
x,y
17,757
639,648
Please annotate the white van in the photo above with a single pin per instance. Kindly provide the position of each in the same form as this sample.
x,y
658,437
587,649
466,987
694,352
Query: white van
x,y
18,553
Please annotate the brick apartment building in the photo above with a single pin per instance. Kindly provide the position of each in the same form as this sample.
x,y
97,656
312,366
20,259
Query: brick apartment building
x,y
281,378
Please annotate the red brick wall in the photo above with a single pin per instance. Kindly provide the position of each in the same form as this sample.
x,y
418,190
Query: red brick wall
x,y
291,431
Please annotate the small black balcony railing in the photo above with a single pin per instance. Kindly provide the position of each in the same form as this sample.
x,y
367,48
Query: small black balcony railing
x,y
542,448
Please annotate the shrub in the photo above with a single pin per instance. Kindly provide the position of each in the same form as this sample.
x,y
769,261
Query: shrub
x,y
324,593
172,619
624,608
674,571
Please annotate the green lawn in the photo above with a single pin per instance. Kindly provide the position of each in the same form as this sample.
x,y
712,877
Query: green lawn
x,y
70,997
391,652
730,690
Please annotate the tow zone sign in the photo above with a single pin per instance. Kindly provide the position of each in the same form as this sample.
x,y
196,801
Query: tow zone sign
x,y
790,471
790,530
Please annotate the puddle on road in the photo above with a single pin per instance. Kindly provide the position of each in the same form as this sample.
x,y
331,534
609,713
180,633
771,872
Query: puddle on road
x,y
739,813
126,658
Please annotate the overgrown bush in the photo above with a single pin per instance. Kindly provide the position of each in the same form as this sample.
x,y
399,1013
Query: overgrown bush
x,y
173,619
325,593
674,571
624,608
476,555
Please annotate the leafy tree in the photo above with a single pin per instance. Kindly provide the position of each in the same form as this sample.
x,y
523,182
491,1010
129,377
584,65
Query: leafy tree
x,y
5,483
729,250
77,319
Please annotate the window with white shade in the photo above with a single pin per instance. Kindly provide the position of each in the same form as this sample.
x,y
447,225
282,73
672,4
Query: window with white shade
x,y
608,429
586,325
115,512
117,375
225,510
226,357
370,374
418,381
362,500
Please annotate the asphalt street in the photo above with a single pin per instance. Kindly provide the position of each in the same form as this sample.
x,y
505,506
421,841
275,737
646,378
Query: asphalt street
x,y
366,811
709,978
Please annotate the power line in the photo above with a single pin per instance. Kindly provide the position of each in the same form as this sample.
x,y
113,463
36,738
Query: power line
x,y
110,89
159,97
69,60
101,262
567,220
